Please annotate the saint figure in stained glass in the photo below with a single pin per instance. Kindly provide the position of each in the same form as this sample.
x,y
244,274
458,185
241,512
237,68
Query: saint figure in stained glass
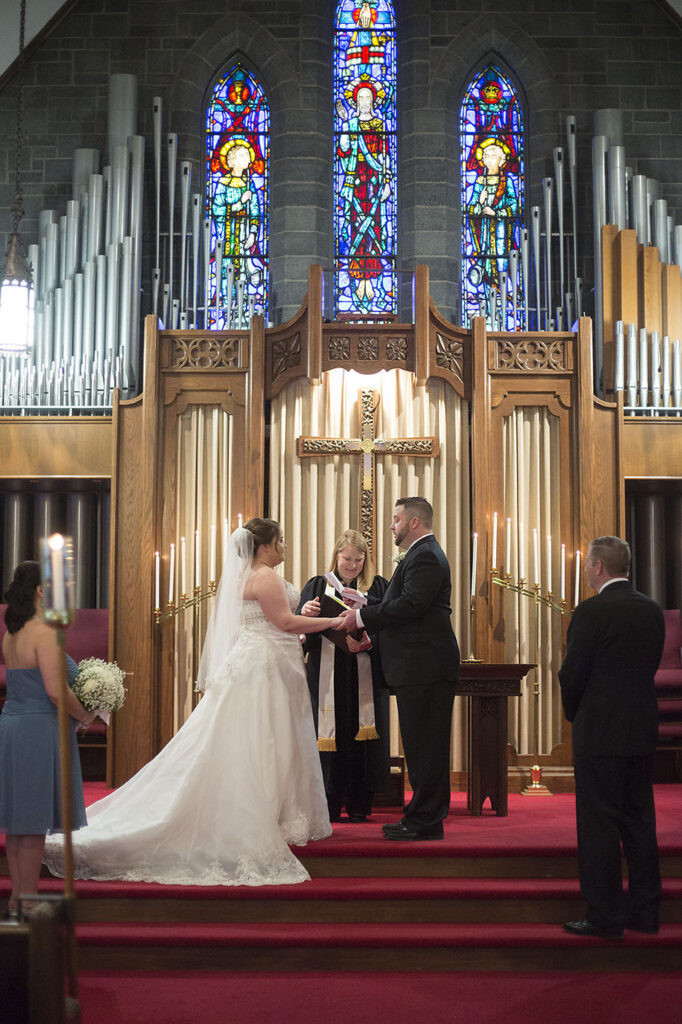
x,y
237,153
492,198
365,159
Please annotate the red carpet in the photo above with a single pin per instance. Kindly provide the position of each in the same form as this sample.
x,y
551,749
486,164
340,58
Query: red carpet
x,y
270,997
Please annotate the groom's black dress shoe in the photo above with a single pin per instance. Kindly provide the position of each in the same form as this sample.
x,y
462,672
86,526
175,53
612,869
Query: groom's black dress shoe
x,y
391,826
587,928
410,833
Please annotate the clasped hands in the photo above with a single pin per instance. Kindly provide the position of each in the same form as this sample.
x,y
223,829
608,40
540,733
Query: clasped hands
x,y
347,620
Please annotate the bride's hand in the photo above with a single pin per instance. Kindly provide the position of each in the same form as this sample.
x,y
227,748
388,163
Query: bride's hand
x,y
311,608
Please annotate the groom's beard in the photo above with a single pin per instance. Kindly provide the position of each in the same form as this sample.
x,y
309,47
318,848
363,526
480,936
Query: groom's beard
x,y
400,535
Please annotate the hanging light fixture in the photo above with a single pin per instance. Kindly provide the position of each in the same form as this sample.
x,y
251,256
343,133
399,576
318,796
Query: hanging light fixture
x,y
16,291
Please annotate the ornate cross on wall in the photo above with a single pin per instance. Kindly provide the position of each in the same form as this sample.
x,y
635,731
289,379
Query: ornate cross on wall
x,y
368,446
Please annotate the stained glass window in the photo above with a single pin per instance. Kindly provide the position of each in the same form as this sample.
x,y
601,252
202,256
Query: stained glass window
x,y
237,201
365,184
492,154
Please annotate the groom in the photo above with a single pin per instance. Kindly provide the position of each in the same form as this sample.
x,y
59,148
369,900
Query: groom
x,y
420,659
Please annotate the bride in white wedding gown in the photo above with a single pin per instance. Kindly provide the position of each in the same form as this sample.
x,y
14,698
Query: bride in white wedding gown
x,y
241,779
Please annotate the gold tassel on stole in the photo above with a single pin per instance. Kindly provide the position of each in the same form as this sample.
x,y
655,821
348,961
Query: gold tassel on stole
x,y
367,732
326,743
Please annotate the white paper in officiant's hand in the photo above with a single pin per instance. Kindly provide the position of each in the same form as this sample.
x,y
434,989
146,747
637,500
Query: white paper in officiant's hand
x,y
334,581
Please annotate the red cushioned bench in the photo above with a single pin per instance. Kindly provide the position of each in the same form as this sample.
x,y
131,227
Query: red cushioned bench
x,y
87,637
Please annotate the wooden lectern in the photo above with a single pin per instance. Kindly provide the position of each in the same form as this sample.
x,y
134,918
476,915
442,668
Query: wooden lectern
x,y
488,687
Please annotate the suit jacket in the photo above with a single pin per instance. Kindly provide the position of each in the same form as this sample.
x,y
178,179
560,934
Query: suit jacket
x,y
411,623
615,642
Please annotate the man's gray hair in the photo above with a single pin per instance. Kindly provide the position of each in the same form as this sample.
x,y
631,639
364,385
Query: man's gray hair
x,y
613,552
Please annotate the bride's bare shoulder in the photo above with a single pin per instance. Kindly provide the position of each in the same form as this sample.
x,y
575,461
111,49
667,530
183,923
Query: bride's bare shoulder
x,y
261,581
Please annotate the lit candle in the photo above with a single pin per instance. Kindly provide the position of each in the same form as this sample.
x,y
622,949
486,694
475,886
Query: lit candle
x,y
494,540
239,521
157,579
474,558
56,545
212,559
536,558
549,564
197,560
171,575
577,579
522,552
183,566
563,572
507,561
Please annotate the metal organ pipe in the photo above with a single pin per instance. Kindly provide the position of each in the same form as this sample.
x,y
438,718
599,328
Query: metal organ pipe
x,y
617,204
660,229
136,148
599,147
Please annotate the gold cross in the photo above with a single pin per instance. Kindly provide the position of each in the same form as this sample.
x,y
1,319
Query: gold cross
x,y
368,447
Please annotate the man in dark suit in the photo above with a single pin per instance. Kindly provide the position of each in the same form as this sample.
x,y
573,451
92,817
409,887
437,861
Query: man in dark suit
x,y
420,659
615,642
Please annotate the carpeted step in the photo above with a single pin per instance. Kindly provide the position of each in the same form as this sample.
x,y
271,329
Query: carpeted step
x,y
369,947
343,900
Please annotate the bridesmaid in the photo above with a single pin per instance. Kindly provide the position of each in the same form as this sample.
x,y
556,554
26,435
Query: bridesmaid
x,y
30,804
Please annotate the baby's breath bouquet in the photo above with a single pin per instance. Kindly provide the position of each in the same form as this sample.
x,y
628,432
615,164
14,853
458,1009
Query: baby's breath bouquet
x,y
99,686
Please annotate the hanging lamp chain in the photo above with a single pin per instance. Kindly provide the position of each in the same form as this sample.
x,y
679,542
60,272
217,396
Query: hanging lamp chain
x,y
18,202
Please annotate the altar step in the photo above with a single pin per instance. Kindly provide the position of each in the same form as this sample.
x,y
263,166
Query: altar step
x,y
369,947
343,901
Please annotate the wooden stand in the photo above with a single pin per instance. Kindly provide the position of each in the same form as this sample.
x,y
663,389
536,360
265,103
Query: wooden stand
x,y
488,686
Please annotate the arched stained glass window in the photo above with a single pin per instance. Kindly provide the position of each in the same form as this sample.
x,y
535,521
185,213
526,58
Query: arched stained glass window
x,y
237,199
492,154
365,159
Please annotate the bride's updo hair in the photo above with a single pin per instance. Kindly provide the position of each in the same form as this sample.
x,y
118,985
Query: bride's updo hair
x,y
20,596
264,531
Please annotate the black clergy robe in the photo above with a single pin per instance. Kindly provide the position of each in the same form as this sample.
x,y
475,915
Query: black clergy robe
x,y
357,769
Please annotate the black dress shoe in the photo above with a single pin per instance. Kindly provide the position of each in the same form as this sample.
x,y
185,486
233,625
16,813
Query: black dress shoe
x,y
391,826
587,928
410,833
357,818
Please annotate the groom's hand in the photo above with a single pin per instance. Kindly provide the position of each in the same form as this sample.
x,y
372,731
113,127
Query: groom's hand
x,y
348,621
353,598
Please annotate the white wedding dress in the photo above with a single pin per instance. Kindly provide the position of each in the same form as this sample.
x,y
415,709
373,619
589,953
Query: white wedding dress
x,y
239,782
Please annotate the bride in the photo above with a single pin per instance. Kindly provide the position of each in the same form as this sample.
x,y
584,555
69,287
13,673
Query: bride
x,y
241,779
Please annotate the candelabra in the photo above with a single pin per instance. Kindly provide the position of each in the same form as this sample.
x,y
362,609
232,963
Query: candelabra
x,y
534,593
185,602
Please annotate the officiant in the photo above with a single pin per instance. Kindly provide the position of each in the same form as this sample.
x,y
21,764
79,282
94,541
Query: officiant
x,y
347,690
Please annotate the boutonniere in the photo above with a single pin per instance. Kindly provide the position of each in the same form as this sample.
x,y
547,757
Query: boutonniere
x,y
399,557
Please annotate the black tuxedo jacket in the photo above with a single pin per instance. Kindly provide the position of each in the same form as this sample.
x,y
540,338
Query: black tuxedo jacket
x,y
411,623
615,642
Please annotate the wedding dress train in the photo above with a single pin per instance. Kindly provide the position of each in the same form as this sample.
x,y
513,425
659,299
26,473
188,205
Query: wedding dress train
x,y
239,782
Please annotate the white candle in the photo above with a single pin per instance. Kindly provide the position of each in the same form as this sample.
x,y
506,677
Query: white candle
x,y
56,545
577,579
239,521
157,579
494,540
536,558
522,552
171,575
183,566
507,561
197,560
212,558
474,557
563,572
549,564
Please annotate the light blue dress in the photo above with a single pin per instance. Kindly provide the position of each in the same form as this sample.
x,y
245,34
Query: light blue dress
x,y
30,797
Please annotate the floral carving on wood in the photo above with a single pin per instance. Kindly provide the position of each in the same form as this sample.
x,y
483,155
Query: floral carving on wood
x,y
532,354
450,355
339,348
285,354
368,347
205,353
396,349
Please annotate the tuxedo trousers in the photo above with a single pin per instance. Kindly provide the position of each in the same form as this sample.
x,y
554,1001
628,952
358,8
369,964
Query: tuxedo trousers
x,y
425,716
614,801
